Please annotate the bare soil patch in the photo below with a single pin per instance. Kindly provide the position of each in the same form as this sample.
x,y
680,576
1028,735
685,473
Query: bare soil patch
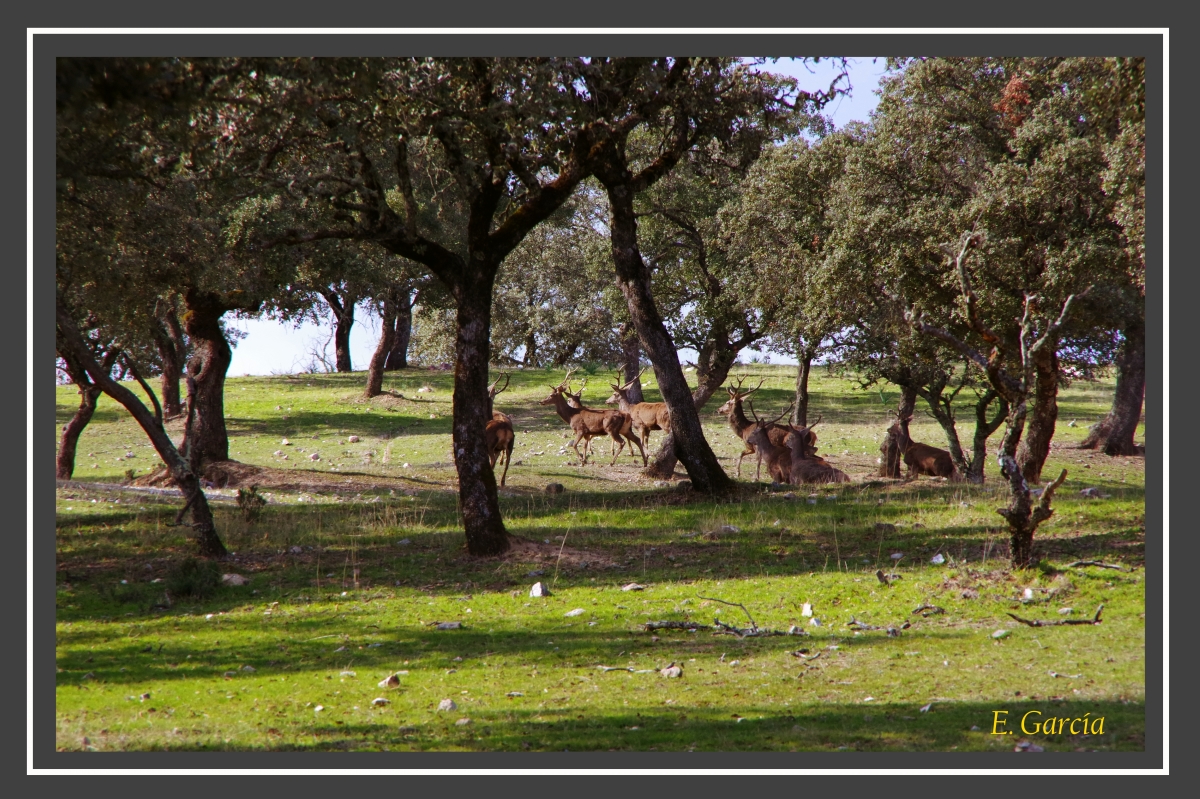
x,y
234,474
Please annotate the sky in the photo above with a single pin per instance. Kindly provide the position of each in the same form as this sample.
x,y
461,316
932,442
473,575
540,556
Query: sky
x,y
272,347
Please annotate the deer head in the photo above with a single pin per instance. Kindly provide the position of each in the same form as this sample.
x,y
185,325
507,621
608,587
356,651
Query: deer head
x,y
496,388
736,395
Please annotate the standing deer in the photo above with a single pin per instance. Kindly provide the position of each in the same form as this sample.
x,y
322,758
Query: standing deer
x,y
576,401
499,435
586,422
806,465
743,427
921,458
779,464
646,416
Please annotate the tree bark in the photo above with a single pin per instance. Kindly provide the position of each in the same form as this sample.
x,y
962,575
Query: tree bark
x,y
203,529
211,355
803,369
343,321
712,371
890,462
89,394
172,351
1114,433
1035,447
631,349
387,329
983,431
477,497
398,356
633,278
1022,517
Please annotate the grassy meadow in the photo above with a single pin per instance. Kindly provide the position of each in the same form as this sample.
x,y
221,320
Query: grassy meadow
x,y
358,556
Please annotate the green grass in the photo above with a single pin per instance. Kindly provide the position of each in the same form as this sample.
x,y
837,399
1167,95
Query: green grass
x,y
351,578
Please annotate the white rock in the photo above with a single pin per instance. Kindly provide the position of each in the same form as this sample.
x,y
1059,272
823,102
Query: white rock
x,y
633,587
937,559
447,704
234,579
286,443
806,609
353,439
575,612
390,681
539,589
379,701
1001,634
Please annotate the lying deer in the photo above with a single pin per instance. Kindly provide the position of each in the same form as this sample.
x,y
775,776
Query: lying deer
x,y
576,401
806,465
921,458
586,422
743,427
499,435
646,416
778,458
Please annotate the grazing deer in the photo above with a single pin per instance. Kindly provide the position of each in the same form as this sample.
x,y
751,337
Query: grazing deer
x,y
586,422
806,465
779,464
576,401
921,458
646,416
743,427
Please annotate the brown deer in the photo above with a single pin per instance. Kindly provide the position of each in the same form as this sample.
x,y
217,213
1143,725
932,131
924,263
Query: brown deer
x,y
921,458
806,465
743,427
779,464
586,422
499,435
646,416
576,401
500,439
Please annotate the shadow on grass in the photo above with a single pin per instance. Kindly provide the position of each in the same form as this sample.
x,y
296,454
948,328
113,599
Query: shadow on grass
x,y
734,726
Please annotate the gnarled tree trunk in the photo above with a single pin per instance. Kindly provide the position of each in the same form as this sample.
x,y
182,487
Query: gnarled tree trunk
x,y
477,497
983,430
172,352
398,356
211,355
89,394
343,321
711,372
633,278
387,330
1035,447
1113,434
203,529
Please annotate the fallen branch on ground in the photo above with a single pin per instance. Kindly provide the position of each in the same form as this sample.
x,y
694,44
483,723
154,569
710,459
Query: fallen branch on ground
x,y
1100,564
650,626
1056,622
928,610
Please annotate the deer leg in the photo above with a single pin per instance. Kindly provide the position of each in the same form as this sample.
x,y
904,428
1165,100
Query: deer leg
x,y
633,439
575,446
507,458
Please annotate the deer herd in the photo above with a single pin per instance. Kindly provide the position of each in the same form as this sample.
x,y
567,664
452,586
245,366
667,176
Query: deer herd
x,y
788,450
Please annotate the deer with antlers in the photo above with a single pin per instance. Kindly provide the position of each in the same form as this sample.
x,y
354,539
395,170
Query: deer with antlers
x,y
921,458
586,422
576,401
499,435
645,416
743,428
777,456
806,465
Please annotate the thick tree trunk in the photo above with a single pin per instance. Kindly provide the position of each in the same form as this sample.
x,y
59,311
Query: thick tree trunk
x,y
891,458
172,351
1114,433
1035,448
1022,516
983,430
398,356
941,413
803,369
209,440
531,347
343,321
633,278
387,329
203,529
478,501
712,372
631,350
